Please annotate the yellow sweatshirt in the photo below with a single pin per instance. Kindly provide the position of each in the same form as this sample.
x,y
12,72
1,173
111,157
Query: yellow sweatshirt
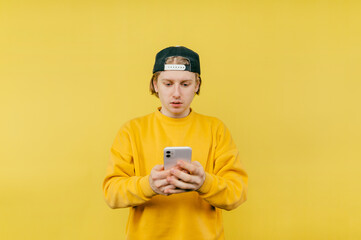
x,y
138,147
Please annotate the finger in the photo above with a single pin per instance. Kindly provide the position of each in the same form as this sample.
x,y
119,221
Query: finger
x,y
180,184
174,191
161,183
158,167
198,164
170,189
160,174
185,177
190,167
163,174
179,168
167,188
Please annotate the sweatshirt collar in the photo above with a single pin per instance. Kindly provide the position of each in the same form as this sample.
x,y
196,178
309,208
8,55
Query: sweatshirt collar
x,y
171,120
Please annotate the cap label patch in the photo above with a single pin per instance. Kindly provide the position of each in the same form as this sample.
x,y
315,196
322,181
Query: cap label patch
x,y
180,67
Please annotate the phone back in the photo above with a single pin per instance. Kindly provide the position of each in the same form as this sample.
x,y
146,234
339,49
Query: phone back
x,y
173,154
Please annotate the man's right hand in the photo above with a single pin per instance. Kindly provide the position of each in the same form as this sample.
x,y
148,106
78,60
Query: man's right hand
x,y
158,179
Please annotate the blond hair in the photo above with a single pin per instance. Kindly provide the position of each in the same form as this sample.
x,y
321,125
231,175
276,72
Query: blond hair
x,y
173,60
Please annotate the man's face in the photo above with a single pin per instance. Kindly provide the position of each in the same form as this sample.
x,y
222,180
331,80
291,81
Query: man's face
x,y
176,90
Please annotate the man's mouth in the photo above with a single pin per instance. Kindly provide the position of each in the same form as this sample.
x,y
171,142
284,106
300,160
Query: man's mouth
x,y
176,103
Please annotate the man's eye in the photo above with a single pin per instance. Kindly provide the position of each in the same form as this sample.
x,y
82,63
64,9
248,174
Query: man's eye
x,y
185,84
167,84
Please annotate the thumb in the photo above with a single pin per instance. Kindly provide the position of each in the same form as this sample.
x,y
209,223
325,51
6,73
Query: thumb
x,y
158,167
197,163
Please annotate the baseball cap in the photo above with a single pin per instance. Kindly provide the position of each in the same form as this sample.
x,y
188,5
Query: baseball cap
x,y
187,53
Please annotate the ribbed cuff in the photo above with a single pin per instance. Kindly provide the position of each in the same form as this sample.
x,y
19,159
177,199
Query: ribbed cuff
x,y
146,188
206,187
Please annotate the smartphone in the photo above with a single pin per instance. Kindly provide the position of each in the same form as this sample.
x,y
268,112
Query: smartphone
x,y
172,154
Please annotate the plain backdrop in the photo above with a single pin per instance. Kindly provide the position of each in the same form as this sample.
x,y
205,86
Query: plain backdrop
x,y
284,76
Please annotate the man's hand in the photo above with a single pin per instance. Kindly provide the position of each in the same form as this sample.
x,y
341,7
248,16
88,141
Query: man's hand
x,y
158,180
186,177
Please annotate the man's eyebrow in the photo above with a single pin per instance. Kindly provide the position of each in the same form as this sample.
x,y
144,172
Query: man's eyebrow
x,y
166,80
184,80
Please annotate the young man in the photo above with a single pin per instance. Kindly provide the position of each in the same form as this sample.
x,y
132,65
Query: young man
x,y
183,202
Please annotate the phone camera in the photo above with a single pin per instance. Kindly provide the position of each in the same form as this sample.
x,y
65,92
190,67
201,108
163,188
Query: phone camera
x,y
168,152
167,156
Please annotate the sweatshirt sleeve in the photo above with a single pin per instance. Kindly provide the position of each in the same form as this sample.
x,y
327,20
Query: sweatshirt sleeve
x,y
226,186
121,187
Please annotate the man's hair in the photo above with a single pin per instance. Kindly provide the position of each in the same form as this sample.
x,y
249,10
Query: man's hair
x,y
173,60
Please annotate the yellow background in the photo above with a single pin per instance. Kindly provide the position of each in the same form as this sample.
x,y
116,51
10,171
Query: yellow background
x,y
284,76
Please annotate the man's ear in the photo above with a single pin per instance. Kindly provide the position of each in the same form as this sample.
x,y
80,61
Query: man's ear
x,y
155,85
197,87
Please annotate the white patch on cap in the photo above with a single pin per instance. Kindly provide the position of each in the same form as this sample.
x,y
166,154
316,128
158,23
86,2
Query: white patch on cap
x,y
179,67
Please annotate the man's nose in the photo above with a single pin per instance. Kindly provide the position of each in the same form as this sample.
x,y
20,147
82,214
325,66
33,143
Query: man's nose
x,y
177,90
